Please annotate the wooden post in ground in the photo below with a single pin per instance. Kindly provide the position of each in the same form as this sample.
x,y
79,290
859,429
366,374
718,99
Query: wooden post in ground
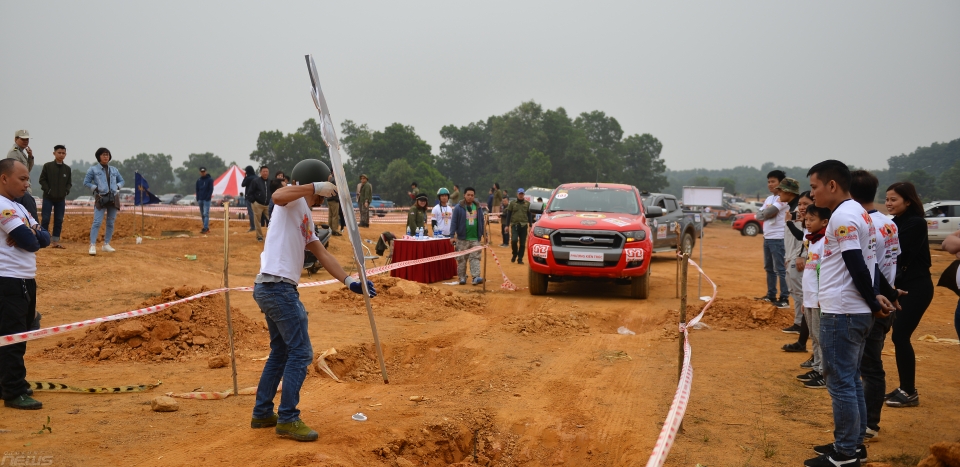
x,y
679,259
226,295
683,308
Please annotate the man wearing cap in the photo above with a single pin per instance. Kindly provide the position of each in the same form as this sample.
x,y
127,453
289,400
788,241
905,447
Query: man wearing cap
x,y
21,151
56,179
204,193
517,217
364,196
774,218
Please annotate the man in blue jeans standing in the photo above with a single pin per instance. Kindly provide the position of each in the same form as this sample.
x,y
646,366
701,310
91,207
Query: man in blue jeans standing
x,y
773,215
275,291
204,192
849,300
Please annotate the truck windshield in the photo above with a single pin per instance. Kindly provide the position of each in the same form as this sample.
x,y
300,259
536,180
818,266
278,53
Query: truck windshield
x,y
595,200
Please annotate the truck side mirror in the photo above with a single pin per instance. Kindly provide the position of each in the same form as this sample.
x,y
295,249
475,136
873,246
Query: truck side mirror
x,y
536,207
654,211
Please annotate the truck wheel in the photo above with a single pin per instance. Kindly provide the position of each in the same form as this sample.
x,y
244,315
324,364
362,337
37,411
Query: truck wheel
x,y
751,229
538,282
686,245
640,286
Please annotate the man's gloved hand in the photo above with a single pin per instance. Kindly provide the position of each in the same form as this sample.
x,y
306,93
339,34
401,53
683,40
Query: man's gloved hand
x,y
354,285
325,189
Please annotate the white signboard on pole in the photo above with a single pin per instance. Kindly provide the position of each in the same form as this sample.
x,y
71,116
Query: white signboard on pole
x,y
703,196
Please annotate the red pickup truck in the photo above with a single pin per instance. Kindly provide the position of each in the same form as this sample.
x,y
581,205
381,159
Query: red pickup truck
x,y
592,231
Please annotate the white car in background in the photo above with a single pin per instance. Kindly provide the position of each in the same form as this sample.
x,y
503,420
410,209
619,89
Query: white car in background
x,y
943,218
83,201
189,200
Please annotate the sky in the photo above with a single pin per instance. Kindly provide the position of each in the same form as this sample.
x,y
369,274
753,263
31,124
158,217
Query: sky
x,y
720,84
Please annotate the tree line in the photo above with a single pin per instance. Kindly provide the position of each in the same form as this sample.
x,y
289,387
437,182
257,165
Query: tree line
x,y
934,169
527,146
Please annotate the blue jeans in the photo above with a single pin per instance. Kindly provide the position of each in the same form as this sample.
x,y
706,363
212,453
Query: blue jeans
x,y
773,263
842,340
205,213
58,206
250,214
98,219
290,350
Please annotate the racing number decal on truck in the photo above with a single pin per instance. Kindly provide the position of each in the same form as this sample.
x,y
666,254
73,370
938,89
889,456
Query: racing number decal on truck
x,y
540,251
634,254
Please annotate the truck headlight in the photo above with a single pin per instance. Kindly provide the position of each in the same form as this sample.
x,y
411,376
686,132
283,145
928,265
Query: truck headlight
x,y
635,235
542,232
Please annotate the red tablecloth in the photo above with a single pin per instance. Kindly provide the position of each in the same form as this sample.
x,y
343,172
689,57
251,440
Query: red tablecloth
x,y
434,271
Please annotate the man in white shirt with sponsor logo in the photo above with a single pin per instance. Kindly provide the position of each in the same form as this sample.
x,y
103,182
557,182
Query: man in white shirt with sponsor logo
x,y
20,237
863,188
773,215
275,291
849,299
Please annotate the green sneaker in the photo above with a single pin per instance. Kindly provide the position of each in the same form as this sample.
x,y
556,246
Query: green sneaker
x,y
24,402
264,422
296,430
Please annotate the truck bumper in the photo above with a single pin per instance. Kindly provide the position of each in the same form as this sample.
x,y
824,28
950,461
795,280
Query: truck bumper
x,y
545,258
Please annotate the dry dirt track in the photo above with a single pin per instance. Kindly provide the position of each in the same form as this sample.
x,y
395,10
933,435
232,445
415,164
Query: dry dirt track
x,y
522,380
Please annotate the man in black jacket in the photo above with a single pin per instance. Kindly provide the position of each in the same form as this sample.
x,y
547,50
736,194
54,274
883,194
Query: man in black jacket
x,y
247,184
204,193
259,197
55,182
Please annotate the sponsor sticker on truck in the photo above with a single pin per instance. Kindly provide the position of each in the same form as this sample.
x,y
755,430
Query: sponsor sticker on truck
x,y
634,254
540,251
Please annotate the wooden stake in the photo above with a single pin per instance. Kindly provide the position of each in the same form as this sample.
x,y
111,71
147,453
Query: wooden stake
x,y
683,308
226,285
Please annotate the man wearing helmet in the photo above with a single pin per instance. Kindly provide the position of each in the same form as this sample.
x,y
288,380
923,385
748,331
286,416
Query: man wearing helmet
x,y
417,217
442,213
275,291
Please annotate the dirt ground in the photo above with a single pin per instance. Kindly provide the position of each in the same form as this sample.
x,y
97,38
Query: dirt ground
x,y
505,378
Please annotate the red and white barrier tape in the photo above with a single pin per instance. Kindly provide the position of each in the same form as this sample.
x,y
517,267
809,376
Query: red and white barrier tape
x,y
506,285
679,405
63,328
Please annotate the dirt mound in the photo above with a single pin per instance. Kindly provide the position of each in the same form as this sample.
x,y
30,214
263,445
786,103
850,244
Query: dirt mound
x,y
76,227
741,313
551,319
452,441
942,455
196,329
399,298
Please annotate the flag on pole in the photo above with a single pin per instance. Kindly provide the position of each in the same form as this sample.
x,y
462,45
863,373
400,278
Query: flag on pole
x,y
142,193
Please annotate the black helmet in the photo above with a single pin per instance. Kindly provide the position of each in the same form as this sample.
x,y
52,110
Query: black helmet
x,y
310,171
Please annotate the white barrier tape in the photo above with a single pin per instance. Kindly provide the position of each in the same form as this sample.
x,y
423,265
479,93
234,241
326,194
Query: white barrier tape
x,y
63,328
680,399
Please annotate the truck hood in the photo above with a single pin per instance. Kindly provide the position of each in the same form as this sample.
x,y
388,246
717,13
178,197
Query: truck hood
x,y
591,220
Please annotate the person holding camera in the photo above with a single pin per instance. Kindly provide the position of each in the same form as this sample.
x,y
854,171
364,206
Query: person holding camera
x,y
105,181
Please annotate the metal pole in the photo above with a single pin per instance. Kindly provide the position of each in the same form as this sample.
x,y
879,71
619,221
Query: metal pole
x,y
676,229
226,285
683,308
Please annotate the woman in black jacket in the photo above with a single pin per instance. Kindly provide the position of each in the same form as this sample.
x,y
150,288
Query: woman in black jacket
x,y
913,276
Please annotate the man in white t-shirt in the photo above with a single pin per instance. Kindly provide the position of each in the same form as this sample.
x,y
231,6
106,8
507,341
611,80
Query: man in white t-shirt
x,y
773,216
442,213
849,298
275,291
20,237
863,188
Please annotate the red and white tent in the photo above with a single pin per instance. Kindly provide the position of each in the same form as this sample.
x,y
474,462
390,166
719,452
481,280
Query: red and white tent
x,y
229,182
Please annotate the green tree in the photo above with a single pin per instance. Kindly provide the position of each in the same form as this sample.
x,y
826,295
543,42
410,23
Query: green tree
x,y
466,156
535,170
156,168
190,171
729,185
949,182
394,182
282,152
699,180
642,165
371,152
